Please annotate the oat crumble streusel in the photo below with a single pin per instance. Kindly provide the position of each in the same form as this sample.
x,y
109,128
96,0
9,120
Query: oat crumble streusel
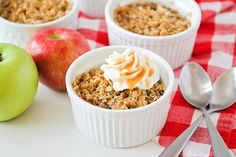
x,y
149,18
94,88
33,11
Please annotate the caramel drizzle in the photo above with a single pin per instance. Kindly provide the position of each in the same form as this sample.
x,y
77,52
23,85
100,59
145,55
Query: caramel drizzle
x,y
138,78
130,64
120,61
147,83
151,72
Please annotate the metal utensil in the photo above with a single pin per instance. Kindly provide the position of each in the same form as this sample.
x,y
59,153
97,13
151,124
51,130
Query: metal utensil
x,y
220,101
224,91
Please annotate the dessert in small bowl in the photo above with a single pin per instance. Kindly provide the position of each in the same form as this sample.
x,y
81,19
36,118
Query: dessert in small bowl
x,y
21,19
120,95
166,27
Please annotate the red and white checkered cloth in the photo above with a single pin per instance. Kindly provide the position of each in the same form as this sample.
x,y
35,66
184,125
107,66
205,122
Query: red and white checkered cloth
x,y
215,50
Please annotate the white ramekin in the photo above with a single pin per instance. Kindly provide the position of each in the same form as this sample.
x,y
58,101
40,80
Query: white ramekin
x,y
119,128
93,8
20,34
176,49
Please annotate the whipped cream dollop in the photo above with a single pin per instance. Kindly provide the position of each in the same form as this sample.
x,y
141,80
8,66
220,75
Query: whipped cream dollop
x,y
129,70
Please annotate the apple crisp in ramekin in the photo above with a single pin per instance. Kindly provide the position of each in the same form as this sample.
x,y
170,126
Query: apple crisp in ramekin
x,y
33,11
149,18
112,127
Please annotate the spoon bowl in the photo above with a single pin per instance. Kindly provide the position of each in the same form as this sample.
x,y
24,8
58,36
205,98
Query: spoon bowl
x,y
224,90
195,85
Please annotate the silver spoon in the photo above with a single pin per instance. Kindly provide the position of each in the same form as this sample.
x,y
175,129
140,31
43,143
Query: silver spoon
x,y
220,101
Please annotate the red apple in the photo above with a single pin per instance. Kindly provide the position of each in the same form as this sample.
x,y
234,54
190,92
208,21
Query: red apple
x,y
53,50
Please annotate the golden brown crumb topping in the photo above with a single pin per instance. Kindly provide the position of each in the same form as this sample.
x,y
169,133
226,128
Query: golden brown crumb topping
x,y
33,11
94,88
149,18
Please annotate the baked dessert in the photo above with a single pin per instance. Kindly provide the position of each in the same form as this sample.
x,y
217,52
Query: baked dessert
x,y
150,19
34,11
127,81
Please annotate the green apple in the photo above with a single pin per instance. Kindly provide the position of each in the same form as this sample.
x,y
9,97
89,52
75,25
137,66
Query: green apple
x,y
18,81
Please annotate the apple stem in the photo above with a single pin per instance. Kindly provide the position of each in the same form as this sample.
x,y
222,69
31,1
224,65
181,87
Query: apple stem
x,y
1,59
55,36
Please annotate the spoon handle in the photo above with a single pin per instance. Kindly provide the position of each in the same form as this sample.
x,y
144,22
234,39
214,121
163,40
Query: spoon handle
x,y
219,147
175,148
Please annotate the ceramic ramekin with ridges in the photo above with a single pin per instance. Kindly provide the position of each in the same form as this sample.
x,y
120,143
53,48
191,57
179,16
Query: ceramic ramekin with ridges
x,y
93,8
176,49
20,34
119,128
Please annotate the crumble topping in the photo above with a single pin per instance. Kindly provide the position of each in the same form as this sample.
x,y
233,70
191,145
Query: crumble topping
x,y
94,88
150,19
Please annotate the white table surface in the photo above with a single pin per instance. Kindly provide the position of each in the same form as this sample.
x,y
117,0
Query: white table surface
x,y
47,129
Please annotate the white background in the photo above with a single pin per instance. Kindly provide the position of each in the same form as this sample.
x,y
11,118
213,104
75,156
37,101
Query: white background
x,y
47,129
